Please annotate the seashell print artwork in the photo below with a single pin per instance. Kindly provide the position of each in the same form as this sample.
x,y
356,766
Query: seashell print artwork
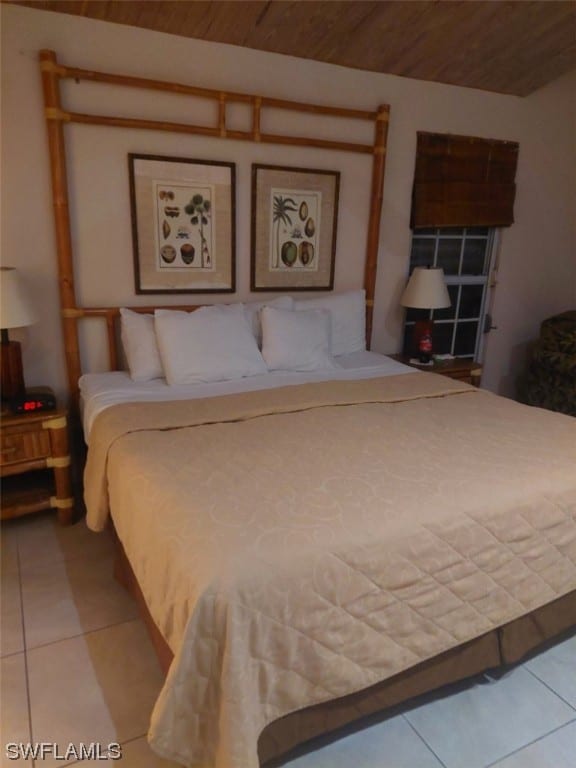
x,y
185,234
294,213
294,222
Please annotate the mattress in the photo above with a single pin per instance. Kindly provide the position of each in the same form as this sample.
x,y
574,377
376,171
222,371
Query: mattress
x,y
299,544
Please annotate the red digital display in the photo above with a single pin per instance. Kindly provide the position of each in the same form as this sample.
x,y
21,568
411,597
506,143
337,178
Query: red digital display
x,y
32,405
31,402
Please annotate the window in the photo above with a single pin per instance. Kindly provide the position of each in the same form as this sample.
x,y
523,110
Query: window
x,y
465,255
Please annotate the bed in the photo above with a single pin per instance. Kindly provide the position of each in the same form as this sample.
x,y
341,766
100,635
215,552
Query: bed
x,y
309,540
312,545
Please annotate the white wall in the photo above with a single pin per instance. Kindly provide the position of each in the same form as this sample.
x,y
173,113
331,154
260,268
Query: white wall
x,y
538,264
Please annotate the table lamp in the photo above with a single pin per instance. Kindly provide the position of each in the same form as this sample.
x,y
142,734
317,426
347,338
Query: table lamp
x,y
15,312
426,289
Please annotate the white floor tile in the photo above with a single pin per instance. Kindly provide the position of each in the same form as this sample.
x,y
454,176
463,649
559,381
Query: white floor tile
x,y
390,744
557,750
485,722
11,634
42,540
14,720
557,668
67,598
9,544
97,688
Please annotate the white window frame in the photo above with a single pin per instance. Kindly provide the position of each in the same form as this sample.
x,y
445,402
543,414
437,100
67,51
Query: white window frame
x,y
486,279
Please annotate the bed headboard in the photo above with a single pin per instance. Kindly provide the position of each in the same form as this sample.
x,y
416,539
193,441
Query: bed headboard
x,y
53,73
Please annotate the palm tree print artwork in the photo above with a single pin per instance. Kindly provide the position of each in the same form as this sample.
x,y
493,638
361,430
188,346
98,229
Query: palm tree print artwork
x,y
294,223
295,229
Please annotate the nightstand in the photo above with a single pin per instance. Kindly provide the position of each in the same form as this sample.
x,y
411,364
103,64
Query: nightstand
x,y
461,369
35,464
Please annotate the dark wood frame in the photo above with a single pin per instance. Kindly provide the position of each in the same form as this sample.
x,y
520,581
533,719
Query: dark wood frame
x,y
53,73
254,257
132,159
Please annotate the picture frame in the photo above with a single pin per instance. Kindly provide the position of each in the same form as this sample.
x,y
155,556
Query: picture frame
x,y
183,224
294,226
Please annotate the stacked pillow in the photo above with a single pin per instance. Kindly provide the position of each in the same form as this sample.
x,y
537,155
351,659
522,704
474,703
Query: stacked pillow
x,y
210,344
348,319
224,341
296,341
140,347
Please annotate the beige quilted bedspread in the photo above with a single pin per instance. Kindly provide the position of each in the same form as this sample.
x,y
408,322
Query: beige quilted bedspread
x,y
299,544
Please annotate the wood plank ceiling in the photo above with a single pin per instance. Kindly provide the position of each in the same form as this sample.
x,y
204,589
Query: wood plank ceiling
x,y
507,47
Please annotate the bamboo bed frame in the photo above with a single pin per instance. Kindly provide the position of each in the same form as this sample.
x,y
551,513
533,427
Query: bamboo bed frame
x,y
56,118
505,645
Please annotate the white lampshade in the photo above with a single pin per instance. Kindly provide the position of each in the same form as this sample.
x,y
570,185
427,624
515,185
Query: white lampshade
x,y
426,289
15,307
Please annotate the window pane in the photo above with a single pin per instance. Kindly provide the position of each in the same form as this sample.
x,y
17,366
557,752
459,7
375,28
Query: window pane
x,y
408,334
449,255
477,231
450,312
412,315
471,300
422,253
474,256
451,231
465,339
424,231
442,338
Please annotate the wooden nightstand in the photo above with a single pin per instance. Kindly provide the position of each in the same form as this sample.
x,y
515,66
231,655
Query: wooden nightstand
x,y
468,371
35,464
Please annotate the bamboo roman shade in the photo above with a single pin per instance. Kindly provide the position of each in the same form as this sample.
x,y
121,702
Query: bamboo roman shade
x,y
462,181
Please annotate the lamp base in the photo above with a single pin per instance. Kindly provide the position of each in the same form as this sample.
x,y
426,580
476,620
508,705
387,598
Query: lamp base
x,y
422,340
11,370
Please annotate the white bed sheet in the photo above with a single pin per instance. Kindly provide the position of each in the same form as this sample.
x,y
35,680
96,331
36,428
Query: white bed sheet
x,y
101,390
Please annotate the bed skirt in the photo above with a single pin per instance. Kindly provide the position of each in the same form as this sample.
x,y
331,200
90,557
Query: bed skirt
x,y
503,646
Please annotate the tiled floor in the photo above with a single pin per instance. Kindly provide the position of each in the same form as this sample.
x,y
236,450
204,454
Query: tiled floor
x,y
77,667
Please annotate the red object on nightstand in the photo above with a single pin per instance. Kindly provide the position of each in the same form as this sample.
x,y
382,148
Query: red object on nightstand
x,y
422,340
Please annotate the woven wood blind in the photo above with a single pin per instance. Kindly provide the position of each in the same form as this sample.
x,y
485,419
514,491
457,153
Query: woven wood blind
x,y
462,181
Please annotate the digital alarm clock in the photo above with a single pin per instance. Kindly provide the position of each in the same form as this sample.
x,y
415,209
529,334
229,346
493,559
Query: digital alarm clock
x,y
34,400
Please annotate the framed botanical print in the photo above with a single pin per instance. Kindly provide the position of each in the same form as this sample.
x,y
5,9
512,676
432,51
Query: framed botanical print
x,y
183,224
294,223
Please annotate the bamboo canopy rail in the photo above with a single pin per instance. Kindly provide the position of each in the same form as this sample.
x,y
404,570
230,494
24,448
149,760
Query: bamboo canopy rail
x,y
56,118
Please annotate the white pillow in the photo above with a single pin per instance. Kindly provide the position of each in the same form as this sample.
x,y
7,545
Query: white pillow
x,y
296,341
140,347
348,314
210,344
253,308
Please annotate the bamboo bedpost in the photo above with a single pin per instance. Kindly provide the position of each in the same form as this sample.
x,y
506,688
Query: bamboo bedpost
x,y
54,119
378,167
